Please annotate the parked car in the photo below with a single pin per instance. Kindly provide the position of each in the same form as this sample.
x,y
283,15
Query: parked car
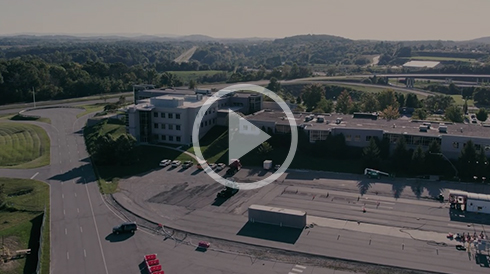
x,y
176,163
199,166
187,164
220,167
276,167
204,244
129,227
227,192
166,162
213,165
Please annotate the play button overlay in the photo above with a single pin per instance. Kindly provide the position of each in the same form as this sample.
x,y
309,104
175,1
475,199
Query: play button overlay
x,y
243,136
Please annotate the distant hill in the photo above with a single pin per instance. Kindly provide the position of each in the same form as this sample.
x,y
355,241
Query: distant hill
x,y
312,38
485,40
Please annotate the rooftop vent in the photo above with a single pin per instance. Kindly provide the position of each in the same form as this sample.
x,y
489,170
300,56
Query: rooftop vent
x,y
442,129
423,128
427,125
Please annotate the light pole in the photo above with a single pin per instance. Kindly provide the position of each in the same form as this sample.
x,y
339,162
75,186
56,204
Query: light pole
x,y
455,169
34,96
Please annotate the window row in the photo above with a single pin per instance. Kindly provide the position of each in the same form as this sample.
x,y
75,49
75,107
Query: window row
x,y
166,115
208,122
357,138
166,126
170,138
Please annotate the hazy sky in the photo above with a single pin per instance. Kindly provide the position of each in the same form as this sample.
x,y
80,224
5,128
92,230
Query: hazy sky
x,y
356,19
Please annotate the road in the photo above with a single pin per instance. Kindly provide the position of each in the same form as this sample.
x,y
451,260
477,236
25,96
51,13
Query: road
x,y
81,222
404,231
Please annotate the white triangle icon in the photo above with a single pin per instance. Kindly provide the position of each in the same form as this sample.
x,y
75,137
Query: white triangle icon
x,y
243,136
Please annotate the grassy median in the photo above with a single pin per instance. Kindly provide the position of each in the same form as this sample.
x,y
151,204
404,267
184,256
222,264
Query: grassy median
x,y
24,202
23,146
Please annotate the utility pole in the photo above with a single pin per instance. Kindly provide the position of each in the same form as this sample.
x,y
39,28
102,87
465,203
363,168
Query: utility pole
x,y
34,96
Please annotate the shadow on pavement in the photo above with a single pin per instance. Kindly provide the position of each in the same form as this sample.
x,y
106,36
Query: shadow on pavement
x,y
482,260
74,173
364,186
218,201
270,232
114,238
201,249
197,171
468,217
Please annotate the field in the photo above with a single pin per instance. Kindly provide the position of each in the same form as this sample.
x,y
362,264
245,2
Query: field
x,y
460,102
186,76
435,58
21,223
368,88
23,146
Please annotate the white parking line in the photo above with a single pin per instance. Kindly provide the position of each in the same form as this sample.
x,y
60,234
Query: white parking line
x,y
66,231
62,196
81,230
67,255
75,194
78,210
300,266
34,175
84,253
64,212
297,270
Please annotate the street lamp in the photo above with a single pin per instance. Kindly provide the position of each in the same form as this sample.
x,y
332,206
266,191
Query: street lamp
x,y
455,169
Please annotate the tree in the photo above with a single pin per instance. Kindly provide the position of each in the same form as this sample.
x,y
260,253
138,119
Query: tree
x,y
192,84
400,157
274,85
420,114
482,115
265,149
412,101
390,113
454,114
482,96
465,107
344,102
311,95
324,106
124,147
371,154
418,160
387,98
400,98
467,160
369,102
438,102
3,197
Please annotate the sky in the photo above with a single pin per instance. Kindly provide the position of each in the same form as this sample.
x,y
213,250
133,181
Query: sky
x,y
355,19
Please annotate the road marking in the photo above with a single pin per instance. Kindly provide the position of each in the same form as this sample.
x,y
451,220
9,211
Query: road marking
x,y
34,175
67,255
78,210
300,266
81,230
70,160
62,196
66,231
96,228
75,194
297,270
84,253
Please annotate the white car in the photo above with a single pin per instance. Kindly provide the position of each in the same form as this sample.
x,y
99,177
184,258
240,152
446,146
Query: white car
x,y
164,163
176,163
220,167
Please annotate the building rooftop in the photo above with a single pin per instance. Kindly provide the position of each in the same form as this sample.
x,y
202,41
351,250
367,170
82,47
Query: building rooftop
x,y
421,64
399,126
277,209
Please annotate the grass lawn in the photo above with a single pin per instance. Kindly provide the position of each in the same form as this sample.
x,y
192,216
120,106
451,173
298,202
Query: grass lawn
x,y
21,223
214,144
91,108
186,76
435,58
23,146
460,101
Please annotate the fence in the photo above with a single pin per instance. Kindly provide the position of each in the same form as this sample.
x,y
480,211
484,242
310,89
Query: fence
x,y
40,251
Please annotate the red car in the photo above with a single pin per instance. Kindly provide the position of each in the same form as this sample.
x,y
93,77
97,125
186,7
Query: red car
x,y
204,244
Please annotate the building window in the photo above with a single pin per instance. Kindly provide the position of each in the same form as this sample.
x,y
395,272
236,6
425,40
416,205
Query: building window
x,y
171,138
155,125
177,116
456,145
178,138
170,115
162,115
202,124
164,137
368,138
171,127
357,138
245,127
477,147
177,127
155,114
348,137
163,126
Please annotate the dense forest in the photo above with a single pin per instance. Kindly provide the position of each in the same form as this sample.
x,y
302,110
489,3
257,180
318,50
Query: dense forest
x,y
59,67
